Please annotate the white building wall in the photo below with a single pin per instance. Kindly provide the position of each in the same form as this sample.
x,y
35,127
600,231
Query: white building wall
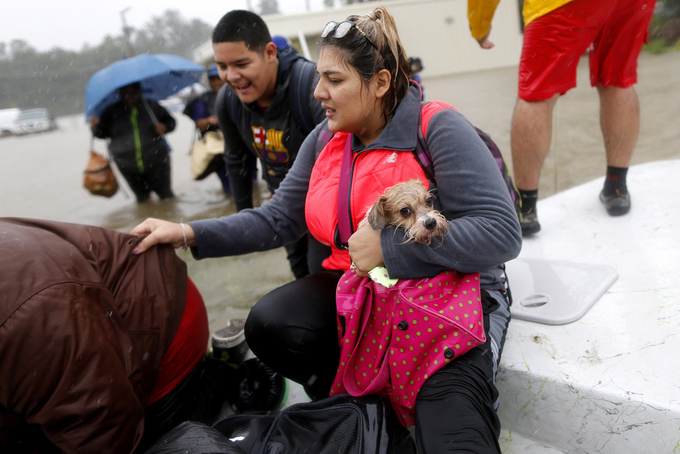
x,y
437,31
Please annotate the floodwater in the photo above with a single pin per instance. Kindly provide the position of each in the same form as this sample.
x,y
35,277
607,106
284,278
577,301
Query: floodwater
x,y
41,175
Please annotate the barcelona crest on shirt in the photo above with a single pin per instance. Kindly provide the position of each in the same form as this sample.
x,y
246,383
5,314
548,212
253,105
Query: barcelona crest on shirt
x,y
269,145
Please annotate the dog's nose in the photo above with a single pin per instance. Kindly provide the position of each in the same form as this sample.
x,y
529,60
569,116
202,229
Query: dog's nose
x,y
430,224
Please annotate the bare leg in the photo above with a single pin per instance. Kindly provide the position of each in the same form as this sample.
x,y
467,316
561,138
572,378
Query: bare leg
x,y
530,140
620,123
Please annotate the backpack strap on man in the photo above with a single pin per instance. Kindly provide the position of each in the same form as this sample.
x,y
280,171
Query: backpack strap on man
x,y
301,77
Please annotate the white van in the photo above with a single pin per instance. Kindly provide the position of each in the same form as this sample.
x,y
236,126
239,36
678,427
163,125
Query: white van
x,y
34,120
7,117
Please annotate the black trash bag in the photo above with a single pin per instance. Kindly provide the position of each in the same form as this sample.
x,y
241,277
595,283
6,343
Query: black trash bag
x,y
346,424
259,388
193,438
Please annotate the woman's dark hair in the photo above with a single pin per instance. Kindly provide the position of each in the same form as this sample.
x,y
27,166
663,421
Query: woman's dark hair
x,y
379,27
239,25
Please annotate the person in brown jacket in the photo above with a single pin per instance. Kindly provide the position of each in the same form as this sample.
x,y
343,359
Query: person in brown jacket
x,y
99,347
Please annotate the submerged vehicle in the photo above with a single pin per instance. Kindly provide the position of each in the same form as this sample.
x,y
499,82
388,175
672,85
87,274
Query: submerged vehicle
x,y
34,120
7,117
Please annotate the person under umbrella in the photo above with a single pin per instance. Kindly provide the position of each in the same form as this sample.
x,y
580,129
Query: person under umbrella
x,y
135,127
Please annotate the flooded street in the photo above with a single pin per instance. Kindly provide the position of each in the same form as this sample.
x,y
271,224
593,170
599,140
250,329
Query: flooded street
x,y
41,175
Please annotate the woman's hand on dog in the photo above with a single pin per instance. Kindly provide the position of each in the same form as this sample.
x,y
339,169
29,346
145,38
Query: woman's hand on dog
x,y
365,250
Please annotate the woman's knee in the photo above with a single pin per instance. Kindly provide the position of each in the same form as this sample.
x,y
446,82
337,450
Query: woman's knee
x,y
261,325
457,420
296,314
455,408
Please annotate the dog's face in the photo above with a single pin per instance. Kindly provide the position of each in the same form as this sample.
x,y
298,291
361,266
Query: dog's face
x,y
409,206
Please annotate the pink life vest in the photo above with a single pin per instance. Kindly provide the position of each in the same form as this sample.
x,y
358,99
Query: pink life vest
x,y
372,172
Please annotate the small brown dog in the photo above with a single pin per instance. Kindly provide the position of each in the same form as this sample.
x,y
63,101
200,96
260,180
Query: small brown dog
x,y
408,206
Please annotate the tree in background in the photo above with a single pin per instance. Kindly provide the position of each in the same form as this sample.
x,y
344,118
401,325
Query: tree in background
x,y
56,79
170,33
669,8
664,29
269,7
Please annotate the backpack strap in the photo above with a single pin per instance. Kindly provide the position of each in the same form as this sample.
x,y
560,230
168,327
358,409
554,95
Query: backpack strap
x,y
325,136
301,77
344,223
421,151
424,157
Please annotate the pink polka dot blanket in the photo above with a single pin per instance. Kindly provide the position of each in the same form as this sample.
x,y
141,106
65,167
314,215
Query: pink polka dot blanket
x,y
393,338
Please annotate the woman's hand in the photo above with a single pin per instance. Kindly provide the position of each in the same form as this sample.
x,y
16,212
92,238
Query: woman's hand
x,y
163,232
365,250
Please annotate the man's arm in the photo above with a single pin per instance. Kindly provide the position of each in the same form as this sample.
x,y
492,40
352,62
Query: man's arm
x,y
163,116
100,125
480,14
239,159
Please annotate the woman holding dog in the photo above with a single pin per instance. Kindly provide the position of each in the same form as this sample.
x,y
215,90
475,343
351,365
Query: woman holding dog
x,y
374,112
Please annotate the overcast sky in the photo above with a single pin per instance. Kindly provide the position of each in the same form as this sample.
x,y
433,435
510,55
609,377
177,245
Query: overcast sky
x,y
69,24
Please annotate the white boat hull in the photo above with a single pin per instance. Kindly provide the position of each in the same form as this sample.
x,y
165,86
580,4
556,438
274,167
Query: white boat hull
x,y
608,382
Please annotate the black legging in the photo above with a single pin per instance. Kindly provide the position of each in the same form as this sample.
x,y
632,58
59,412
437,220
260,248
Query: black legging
x,y
293,329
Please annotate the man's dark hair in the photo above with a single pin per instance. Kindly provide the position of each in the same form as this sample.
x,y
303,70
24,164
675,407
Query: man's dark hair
x,y
239,25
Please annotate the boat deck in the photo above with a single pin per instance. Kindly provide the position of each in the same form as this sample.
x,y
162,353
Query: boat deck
x,y
607,382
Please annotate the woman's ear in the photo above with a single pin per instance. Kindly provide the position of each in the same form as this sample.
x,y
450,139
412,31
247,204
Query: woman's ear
x,y
383,81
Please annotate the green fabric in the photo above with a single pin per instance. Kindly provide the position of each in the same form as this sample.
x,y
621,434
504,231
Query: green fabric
x,y
138,143
379,275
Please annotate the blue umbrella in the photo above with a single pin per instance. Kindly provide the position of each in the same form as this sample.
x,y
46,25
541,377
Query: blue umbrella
x,y
160,76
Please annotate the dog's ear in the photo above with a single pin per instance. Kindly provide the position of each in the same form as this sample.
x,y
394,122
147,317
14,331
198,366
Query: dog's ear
x,y
376,217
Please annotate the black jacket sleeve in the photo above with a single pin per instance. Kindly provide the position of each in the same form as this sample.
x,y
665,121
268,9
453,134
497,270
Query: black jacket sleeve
x,y
163,116
239,160
102,130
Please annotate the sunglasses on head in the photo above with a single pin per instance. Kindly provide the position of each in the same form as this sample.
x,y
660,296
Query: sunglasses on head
x,y
341,29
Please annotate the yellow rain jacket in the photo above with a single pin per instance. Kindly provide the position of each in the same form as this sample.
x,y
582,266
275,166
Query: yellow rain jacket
x,y
480,13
